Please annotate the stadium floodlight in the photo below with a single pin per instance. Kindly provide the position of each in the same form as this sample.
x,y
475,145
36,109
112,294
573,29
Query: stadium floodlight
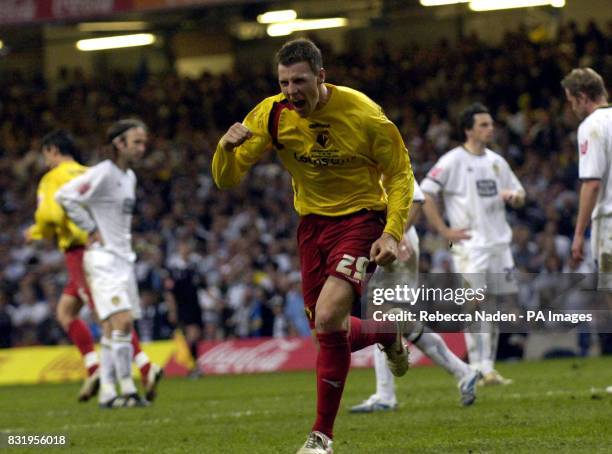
x,y
112,26
273,17
286,28
441,2
115,42
491,5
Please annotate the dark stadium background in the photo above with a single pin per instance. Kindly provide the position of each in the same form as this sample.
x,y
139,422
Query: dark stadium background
x,y
212,62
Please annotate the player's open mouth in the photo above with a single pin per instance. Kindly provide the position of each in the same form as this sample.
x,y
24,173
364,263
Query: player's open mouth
x,y
299,103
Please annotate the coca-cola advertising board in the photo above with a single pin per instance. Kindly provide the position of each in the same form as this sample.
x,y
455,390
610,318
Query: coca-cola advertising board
x,y
245,356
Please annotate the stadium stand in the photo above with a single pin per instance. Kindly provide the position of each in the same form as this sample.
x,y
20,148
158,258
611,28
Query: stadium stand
x,y
245,247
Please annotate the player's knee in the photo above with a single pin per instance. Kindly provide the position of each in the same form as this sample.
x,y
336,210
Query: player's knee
x,y
107,329
328,321
63,317
65,313
122,321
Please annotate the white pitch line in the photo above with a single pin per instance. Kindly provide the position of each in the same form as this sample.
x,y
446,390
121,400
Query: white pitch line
x,y
233,414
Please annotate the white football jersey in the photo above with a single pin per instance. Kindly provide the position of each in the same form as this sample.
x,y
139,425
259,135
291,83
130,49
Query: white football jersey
x,y
595,156
417,195
103,198
471,187
410,236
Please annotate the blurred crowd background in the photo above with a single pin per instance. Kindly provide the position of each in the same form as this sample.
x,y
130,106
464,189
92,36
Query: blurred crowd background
x,y
240,245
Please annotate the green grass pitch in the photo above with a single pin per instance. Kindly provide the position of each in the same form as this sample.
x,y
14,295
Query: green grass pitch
x,y
554,406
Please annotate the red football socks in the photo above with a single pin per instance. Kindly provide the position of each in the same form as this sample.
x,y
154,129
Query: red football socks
x,y
333,362
373,334
80,335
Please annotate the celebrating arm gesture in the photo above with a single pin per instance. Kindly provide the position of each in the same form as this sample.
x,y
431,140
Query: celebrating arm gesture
x,y
235,136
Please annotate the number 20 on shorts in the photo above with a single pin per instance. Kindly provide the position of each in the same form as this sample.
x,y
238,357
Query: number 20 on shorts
x,y
345,266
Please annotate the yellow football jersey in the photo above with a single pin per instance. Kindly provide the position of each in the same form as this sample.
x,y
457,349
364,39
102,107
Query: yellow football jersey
x,y
344,157
50,218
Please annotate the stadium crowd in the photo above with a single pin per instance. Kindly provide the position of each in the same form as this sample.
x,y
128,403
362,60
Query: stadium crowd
x,y
241,242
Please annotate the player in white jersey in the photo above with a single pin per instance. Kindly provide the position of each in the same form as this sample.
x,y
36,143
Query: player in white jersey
x,y
101,202
586,92
475,183
430,343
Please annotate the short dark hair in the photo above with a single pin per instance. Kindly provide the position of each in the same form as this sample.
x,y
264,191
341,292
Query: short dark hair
x,y
466,120
63,141
122,126
299,50
587,81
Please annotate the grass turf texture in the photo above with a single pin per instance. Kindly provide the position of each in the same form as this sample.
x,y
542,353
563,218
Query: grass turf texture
x,y
551,407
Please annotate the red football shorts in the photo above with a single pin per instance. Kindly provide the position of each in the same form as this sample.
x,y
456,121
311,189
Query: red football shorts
x,y
77,284
336,246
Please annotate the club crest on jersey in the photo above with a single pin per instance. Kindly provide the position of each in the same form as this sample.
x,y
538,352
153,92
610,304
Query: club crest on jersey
x,y
496,169
584,147
115,300
323,139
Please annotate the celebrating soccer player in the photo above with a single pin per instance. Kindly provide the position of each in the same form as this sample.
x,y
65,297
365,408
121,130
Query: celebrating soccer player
x,y
352,184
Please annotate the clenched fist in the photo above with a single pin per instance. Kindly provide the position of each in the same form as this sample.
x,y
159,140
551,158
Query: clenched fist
x,y
384,250
235,136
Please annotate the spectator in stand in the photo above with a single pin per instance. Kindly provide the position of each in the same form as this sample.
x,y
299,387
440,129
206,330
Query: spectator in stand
x,y
6,323
513,78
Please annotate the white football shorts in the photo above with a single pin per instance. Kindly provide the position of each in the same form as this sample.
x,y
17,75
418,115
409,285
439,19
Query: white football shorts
x,y
493,267
112,282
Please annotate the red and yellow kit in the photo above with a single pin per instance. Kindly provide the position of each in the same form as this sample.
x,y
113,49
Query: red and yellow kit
x,y
50,218
51,221
345,157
